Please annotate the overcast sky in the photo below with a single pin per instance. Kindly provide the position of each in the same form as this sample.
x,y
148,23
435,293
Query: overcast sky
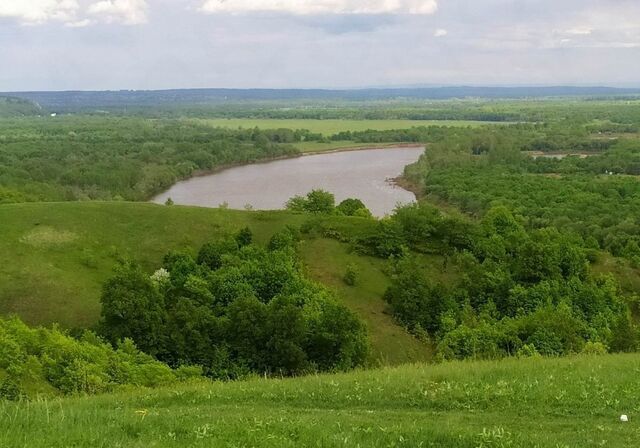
x,y
156,44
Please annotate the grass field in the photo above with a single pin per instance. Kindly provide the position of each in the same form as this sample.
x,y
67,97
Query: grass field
x,y
567,402
58,255
319,146
330,127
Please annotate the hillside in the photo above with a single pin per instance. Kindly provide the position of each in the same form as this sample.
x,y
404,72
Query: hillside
x,y
569,402
61,253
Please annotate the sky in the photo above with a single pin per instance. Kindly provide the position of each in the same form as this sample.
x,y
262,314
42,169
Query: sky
x,y
160,44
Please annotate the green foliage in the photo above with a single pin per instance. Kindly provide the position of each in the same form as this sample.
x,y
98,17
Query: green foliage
x,y
316,201
133,307
17,107
234,311
105,158
520,291
286,238
353,207
244,237
351,275
45,361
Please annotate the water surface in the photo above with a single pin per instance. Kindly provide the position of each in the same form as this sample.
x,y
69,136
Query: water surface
x,y
364,174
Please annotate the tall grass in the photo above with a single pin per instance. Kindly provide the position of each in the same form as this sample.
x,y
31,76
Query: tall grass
x,y
570,402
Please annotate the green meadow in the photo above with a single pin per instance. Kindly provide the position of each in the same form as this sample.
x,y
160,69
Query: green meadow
x,y
330,127
534,402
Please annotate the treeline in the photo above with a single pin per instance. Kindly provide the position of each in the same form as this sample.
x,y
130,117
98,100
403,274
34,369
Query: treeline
x,y
68,158
541,137
234,309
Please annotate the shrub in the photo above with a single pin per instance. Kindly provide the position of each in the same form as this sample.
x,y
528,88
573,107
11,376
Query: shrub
x,y
50,361
351,275
594,348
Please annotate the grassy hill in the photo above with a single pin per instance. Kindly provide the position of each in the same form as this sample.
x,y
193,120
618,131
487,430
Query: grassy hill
x,y
568,402
59,254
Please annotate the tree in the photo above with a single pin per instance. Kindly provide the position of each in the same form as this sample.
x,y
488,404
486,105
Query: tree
x,y
320,201
316,201
244,237
211,253
132,307
353,207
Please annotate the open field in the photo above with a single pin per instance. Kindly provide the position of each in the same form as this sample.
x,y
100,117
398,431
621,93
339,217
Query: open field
x,y
336,145
568,402
61,253
330,127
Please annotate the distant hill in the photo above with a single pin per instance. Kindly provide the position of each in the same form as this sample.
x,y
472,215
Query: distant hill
x,y
95,100
17,107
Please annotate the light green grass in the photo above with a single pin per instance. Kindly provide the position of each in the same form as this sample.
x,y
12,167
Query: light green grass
x,y
331,146
330,127
57,255
545,403
327,261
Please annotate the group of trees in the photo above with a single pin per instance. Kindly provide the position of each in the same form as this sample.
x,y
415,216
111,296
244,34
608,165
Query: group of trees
x,y
235,309
324,203
518,292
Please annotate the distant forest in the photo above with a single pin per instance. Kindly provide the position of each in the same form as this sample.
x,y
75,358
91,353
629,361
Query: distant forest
x,y
70,101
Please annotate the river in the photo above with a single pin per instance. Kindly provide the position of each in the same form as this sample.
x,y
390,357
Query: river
x,y
365,174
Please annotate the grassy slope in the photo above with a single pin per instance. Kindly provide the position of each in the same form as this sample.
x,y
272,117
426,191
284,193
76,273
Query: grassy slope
x,y
570,402
56,257
330,127
327,261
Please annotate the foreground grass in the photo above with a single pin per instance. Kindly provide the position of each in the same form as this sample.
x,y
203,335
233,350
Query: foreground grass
x,y
330,127
571,402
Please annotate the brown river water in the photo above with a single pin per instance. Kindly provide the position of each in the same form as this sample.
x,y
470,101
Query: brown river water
x,y
365,174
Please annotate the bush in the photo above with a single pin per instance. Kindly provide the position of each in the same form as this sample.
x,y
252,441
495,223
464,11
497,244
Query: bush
x,y
50,361
351,275
594,348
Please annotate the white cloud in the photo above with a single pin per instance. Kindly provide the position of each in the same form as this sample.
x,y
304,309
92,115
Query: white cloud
x,y
440,32
78,23
580,31
129,12
38,11
322,6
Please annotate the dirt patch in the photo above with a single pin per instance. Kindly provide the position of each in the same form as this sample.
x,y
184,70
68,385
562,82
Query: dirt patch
x,y
48,236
